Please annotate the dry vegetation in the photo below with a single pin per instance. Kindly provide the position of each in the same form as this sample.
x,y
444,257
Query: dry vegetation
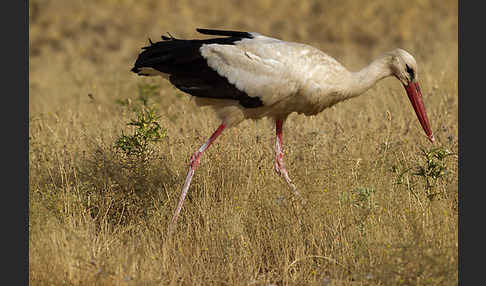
x,y
99,217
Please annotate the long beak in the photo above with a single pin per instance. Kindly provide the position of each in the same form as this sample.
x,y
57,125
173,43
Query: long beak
x,y
415,96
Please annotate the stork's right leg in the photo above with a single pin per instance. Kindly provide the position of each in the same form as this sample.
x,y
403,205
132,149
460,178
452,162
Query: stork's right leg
x,y
192,168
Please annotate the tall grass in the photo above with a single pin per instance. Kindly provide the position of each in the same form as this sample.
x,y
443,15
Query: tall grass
x,y
374,212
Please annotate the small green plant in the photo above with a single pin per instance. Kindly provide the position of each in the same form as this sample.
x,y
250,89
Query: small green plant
x,y
123,176
147,128
431,169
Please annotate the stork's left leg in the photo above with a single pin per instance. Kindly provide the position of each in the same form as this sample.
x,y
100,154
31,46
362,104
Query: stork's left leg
x,y
279,165
192,167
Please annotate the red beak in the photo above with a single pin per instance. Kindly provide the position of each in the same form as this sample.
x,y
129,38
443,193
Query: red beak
x,y
415,96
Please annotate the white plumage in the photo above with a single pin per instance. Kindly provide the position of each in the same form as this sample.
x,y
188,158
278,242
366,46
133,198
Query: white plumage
x,y
247,75
284,75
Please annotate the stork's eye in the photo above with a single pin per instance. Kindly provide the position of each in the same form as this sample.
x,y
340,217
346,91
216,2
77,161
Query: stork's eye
x,y
410,72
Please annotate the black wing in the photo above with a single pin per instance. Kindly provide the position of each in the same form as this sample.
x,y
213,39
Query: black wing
x,y
188,69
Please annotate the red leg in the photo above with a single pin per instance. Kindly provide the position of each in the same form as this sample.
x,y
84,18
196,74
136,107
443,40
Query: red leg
x,y
192,167
279,165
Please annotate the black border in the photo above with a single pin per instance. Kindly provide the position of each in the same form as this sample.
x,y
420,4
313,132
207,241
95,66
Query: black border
x,y
15,133
468,23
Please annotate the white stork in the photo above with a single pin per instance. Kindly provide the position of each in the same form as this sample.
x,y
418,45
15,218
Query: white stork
x,y
248,75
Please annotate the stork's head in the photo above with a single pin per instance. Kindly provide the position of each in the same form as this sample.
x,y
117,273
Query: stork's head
x,y
404,68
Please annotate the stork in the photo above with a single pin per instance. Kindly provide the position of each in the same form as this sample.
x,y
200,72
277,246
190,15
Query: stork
x,y
246,75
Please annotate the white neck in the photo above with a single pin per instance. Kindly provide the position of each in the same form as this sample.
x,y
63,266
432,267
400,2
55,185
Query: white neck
x,y
360,81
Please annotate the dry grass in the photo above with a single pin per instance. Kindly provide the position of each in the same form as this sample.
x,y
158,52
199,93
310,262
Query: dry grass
x,y
96,220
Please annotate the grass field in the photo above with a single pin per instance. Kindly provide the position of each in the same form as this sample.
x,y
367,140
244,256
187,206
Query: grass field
x,y
380,200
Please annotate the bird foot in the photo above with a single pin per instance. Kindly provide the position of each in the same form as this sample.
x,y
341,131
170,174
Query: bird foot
x,y
281,171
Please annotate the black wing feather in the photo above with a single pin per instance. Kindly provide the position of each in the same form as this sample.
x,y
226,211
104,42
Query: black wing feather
x,y
225,33
188,70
